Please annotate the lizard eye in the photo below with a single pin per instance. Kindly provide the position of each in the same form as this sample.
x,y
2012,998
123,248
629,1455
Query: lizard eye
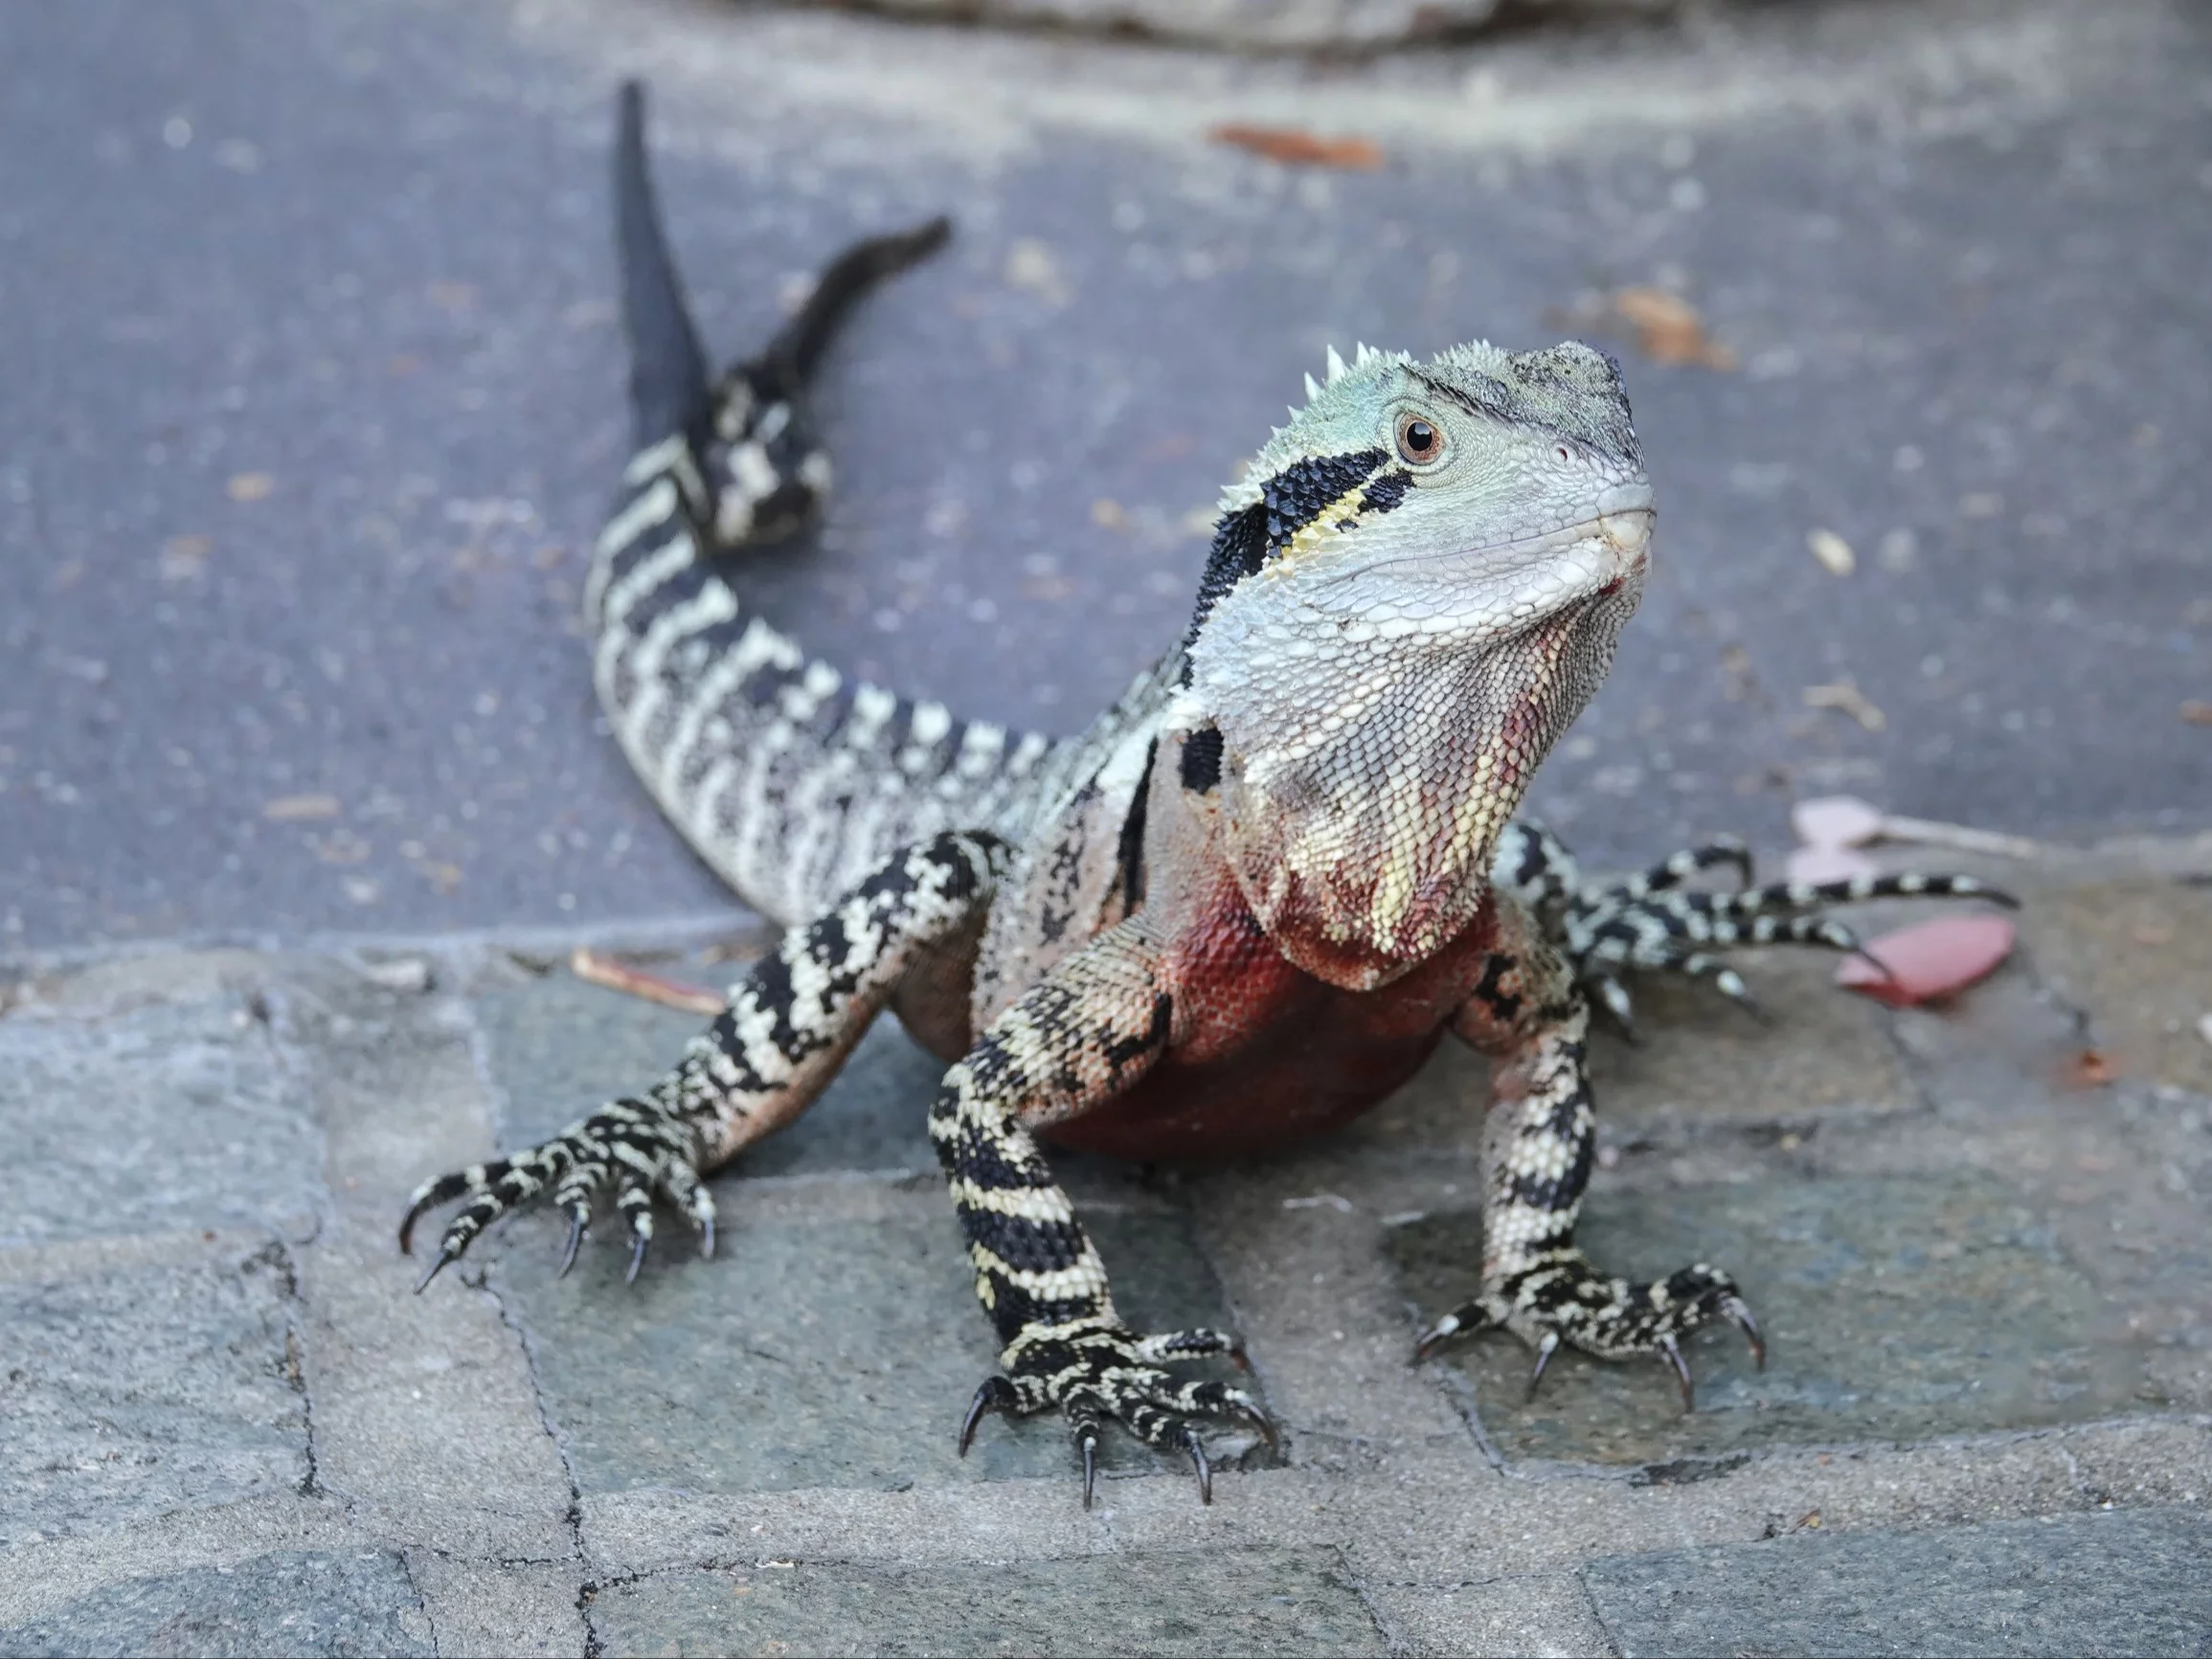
x,y
1418,440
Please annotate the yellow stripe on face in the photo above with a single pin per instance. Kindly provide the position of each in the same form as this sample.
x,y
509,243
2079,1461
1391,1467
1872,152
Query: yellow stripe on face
x,y
1329,525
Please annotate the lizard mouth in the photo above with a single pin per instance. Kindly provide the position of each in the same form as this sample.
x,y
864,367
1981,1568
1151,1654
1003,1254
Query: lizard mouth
x,y
1621,536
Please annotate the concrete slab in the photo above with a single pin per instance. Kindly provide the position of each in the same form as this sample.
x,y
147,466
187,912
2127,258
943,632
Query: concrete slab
x,y
167,1116
1219,1602
834,1341
2137,955
1895,1310
299,1601
2137,1581
148,1387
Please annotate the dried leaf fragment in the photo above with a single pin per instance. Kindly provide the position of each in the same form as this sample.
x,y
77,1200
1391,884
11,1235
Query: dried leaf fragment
x,y
1846,697
1835,821
597,969
1934,959
299,808
1668,329
1295,146
2090,1068
1819,863
1832,551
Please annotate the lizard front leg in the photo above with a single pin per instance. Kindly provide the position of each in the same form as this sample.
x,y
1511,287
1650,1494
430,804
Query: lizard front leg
x,y
1094,1025
790,1022
1539,1141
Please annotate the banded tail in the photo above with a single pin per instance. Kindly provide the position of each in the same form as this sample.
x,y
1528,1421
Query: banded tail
x,y
790,780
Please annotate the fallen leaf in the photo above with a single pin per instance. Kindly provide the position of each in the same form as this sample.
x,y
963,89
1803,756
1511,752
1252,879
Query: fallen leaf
x,y
249,487
1827,863
1847,699
1951,835
299,808
2090,1068
1835,821
443,878
1669,329
596,969
1809,1521
1931,960
1833,552
1295,146
2196,712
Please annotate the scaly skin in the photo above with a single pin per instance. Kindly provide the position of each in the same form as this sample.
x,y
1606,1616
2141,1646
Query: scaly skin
x,y
1242,906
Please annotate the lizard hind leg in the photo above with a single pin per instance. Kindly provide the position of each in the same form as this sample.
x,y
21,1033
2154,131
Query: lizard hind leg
x,y
1648,923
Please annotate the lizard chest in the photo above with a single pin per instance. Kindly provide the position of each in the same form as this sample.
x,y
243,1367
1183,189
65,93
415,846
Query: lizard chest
x,y
1264,1053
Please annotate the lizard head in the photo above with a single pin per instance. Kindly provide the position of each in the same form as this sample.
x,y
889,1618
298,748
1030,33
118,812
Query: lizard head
x,y
1413,590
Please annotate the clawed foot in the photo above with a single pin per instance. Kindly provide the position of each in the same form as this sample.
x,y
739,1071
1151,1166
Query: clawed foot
x,y
628,1148
1561,1299
1095,1369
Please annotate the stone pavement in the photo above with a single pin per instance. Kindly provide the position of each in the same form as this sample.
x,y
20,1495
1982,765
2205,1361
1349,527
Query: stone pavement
x,y
1977,1238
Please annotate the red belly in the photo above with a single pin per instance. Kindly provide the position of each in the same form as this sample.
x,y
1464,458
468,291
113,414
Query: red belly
x,y
1265,1053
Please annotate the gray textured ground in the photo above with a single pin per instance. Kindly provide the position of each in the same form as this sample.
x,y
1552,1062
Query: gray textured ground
x,y
226,1426
309,403
357,255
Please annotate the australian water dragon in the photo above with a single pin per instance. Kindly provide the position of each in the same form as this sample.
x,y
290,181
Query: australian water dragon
x,y
1242,906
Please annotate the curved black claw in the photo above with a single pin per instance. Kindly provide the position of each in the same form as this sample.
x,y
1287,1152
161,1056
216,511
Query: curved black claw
x,y
1205,1469
1673,1350
1750,1327
435,1268
575,1241
1758,1010
441,1191
640,1244
993,1394
1545,1349
1089,1444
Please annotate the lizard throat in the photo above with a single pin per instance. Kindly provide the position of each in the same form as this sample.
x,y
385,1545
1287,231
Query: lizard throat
x,y
1362,842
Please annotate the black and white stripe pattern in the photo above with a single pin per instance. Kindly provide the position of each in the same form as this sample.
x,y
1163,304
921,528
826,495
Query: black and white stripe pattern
x,y
1538,1147
1646,923
789,1024
1088,1032
791,779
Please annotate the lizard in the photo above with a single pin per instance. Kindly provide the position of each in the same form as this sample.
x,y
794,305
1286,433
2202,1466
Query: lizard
x,y
1242,906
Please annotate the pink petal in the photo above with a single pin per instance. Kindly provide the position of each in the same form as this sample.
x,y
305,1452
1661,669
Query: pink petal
x,y
1828,864
1835,821
1934,959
